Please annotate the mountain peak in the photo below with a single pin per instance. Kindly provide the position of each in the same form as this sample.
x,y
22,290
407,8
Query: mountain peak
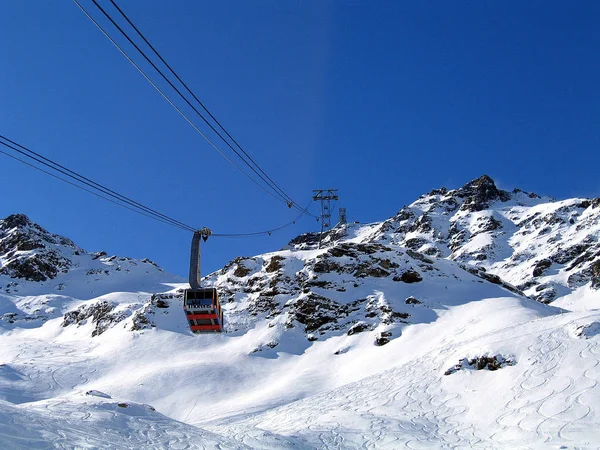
x,y
479,193
15,221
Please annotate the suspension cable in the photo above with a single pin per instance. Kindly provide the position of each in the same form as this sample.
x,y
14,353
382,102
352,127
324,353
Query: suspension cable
x,y
281,195
185,99
88,190
198,100
114,197
259,233
91,184
160,91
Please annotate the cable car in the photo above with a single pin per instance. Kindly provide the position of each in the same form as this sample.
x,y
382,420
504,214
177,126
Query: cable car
x,y
201,305
203,310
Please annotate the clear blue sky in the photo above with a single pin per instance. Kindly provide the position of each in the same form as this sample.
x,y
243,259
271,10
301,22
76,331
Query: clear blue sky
x,y
382,100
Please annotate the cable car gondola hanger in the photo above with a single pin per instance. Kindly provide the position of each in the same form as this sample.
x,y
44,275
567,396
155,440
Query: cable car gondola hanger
x,y
201,305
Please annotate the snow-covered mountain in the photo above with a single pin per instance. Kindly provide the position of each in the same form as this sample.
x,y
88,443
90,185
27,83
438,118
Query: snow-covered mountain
x,y
549,249
430,329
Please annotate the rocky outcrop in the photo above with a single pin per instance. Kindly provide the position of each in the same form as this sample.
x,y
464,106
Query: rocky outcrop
x,y
101,314
31,253
485,362
480,193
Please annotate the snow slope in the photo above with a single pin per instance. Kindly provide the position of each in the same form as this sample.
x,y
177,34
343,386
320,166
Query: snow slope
x,y
367,343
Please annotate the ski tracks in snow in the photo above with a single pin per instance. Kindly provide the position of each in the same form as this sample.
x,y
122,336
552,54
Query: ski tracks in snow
x,y
398,408
552,403
47,370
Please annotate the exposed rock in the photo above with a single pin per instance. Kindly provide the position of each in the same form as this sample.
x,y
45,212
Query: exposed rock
x,y
327,266
423,224
241,270
409,276
141,322
486,362
541,266
366,270
479,193
162,300
419,256
488,224
440,191
274,264
98,255
545,293
563,256
588,331
314,311
36,267
577,279
383,338
491,278
404,214
358,327
595,268
101,314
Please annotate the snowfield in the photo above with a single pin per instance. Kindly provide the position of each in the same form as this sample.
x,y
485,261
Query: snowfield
x,y
211,391
377,340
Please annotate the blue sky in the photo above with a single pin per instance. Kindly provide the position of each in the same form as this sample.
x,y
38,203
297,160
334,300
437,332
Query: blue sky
x,y
382,100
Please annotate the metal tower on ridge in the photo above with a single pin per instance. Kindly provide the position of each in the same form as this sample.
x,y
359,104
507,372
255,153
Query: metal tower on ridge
x,y
343,217
325,196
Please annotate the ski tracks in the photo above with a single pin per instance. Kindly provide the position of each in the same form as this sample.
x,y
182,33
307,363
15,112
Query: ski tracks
x,y
47,369
401,408
551,403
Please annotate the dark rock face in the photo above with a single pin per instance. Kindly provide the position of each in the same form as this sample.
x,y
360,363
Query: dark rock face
x,y
366,270
306,240
588,331
541,266
16,221
545,293
422,224
34,268
563,256
100,313
479,193
484,362
30,252
595,269
412,301
419,256
241,271
410,276
161,301
274,264
314,311
358,328
383,338
141,322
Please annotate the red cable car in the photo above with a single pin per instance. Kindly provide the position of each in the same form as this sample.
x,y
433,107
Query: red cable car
x,y
203,310
201,305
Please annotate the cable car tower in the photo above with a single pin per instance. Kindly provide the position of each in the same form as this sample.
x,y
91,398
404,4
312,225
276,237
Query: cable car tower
x,y
201,305
325,196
